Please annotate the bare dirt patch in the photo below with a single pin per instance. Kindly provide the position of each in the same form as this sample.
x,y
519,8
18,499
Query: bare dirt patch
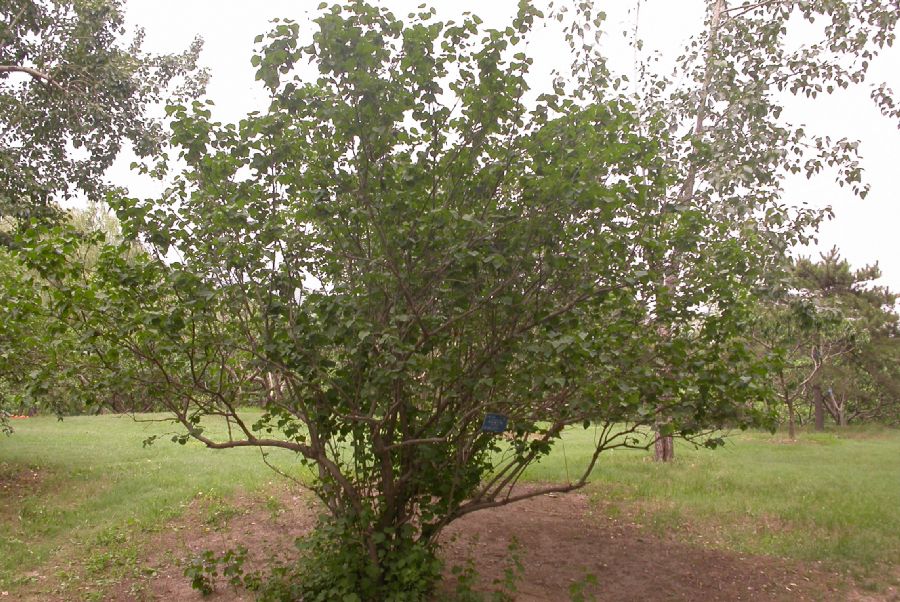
x,y
561,540
267,524
17,483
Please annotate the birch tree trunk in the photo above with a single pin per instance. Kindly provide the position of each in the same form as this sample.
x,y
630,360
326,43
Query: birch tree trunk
x,y
664,446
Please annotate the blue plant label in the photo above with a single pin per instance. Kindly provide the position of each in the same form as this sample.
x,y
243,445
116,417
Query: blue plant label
x,y
494,423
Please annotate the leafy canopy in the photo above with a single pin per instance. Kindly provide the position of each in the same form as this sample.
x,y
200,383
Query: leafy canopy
x,y
73,90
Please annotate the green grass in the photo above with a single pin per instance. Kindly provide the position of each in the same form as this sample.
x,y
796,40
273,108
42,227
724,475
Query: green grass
x,y
99,487
833,497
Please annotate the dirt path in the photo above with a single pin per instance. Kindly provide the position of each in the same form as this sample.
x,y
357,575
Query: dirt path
x,y
560,541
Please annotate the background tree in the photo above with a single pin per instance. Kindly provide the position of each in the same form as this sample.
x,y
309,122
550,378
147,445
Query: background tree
x,y
863,376
832,337
730,147
44,365
799,337
73,91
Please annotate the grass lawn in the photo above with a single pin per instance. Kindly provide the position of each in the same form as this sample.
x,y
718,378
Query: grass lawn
x,y
97,488
833,496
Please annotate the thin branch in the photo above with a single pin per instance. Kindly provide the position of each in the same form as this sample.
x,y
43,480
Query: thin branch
x,y
737,11
410,442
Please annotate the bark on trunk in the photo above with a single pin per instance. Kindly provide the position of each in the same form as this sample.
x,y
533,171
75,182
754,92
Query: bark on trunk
x,y
819,402
664,448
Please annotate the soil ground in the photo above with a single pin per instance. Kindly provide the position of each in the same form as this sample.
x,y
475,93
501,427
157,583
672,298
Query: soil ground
x,y
16,484
559,540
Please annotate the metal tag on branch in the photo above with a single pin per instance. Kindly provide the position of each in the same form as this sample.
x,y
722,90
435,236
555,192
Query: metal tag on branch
x,y
494,423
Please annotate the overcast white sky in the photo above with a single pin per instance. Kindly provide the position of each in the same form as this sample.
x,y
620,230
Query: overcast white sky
x,y
865,230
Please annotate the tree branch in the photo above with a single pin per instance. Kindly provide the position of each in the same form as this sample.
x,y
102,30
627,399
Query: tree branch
x,y
34,73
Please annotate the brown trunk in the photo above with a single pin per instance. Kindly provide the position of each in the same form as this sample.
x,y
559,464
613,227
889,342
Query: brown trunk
x,y
664,448
792,430
820,407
